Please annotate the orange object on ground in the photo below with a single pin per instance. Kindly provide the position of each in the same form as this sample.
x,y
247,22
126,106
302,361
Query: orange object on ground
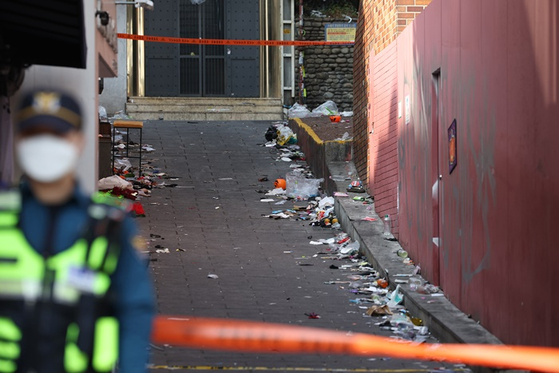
x,y
258,337
335,118
382,283
280,183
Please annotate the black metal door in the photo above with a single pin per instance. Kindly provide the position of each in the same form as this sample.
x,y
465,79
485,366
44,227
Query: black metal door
x,y
203,70
202,67
162,58
243,63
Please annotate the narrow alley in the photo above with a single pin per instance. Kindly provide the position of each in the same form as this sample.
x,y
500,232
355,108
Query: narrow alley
x,y
211,220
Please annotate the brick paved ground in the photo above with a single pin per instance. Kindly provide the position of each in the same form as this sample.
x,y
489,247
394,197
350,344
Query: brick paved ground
x,y
214,214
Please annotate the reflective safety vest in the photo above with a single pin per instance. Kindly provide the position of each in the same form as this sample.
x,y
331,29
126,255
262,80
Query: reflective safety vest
x,y
59,300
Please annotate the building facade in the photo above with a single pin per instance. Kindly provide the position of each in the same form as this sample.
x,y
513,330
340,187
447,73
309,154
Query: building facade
x,y
81,48
198,70
460,149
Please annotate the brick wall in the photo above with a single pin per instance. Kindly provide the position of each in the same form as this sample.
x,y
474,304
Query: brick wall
x,y
380,22
406,11
363,44
384,20
383,136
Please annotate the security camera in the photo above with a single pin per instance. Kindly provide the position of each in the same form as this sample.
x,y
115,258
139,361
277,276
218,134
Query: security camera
x,y
103,17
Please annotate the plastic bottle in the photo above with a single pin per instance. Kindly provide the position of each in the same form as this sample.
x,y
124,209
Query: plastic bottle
x,y
402,253
386,225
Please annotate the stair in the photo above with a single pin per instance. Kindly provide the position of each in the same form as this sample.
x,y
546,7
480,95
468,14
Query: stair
x,y
204,108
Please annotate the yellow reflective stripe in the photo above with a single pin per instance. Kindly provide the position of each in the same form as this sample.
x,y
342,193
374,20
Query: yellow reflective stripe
x,y
9,330
28,290
29,264
110,264
105,348
8,219
9,350
75,361
102,283
10,201
98,249
7,366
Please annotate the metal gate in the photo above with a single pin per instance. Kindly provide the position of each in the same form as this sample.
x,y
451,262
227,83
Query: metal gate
x,y
203,70
202,67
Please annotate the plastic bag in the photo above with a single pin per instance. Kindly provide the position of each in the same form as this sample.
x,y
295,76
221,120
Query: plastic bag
x,y
351,248
120,115
327,108
102,113
298,111
286,136
113,182
300,187
123,164
395,298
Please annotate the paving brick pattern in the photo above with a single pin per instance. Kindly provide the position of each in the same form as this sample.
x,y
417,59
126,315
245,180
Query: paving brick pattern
x,y
214,214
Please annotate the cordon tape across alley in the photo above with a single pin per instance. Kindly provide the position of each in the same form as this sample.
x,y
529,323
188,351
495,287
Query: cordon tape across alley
x,y
259,337
273,43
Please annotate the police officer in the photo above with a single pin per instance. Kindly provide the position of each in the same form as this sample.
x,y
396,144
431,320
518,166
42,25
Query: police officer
x,y
74,293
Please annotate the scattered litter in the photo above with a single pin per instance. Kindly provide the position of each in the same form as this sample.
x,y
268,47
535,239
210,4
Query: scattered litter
x,y
267,200
395,298
162,251
379,310
368,218
300,187
298,111
275,192
346,136
340,194
213,276
313,315
328,108
316,243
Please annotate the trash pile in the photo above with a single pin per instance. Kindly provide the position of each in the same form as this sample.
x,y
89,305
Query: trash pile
x,y
373,296
372,292
127,181
280,134
328,108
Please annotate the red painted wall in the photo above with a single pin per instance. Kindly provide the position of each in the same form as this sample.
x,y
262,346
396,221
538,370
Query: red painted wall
x,y
498,63
383,130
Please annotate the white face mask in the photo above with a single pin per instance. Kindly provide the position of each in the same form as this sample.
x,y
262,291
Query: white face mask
x,y
46,158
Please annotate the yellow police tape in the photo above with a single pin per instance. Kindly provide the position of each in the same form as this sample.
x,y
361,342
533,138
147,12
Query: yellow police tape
x,y
273,43
258,337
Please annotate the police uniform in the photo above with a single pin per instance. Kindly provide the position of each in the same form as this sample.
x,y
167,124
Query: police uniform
x,y
75,295
70,283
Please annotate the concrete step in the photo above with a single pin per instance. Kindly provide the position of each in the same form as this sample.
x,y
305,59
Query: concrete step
x,y
223,117
204,108
213,101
